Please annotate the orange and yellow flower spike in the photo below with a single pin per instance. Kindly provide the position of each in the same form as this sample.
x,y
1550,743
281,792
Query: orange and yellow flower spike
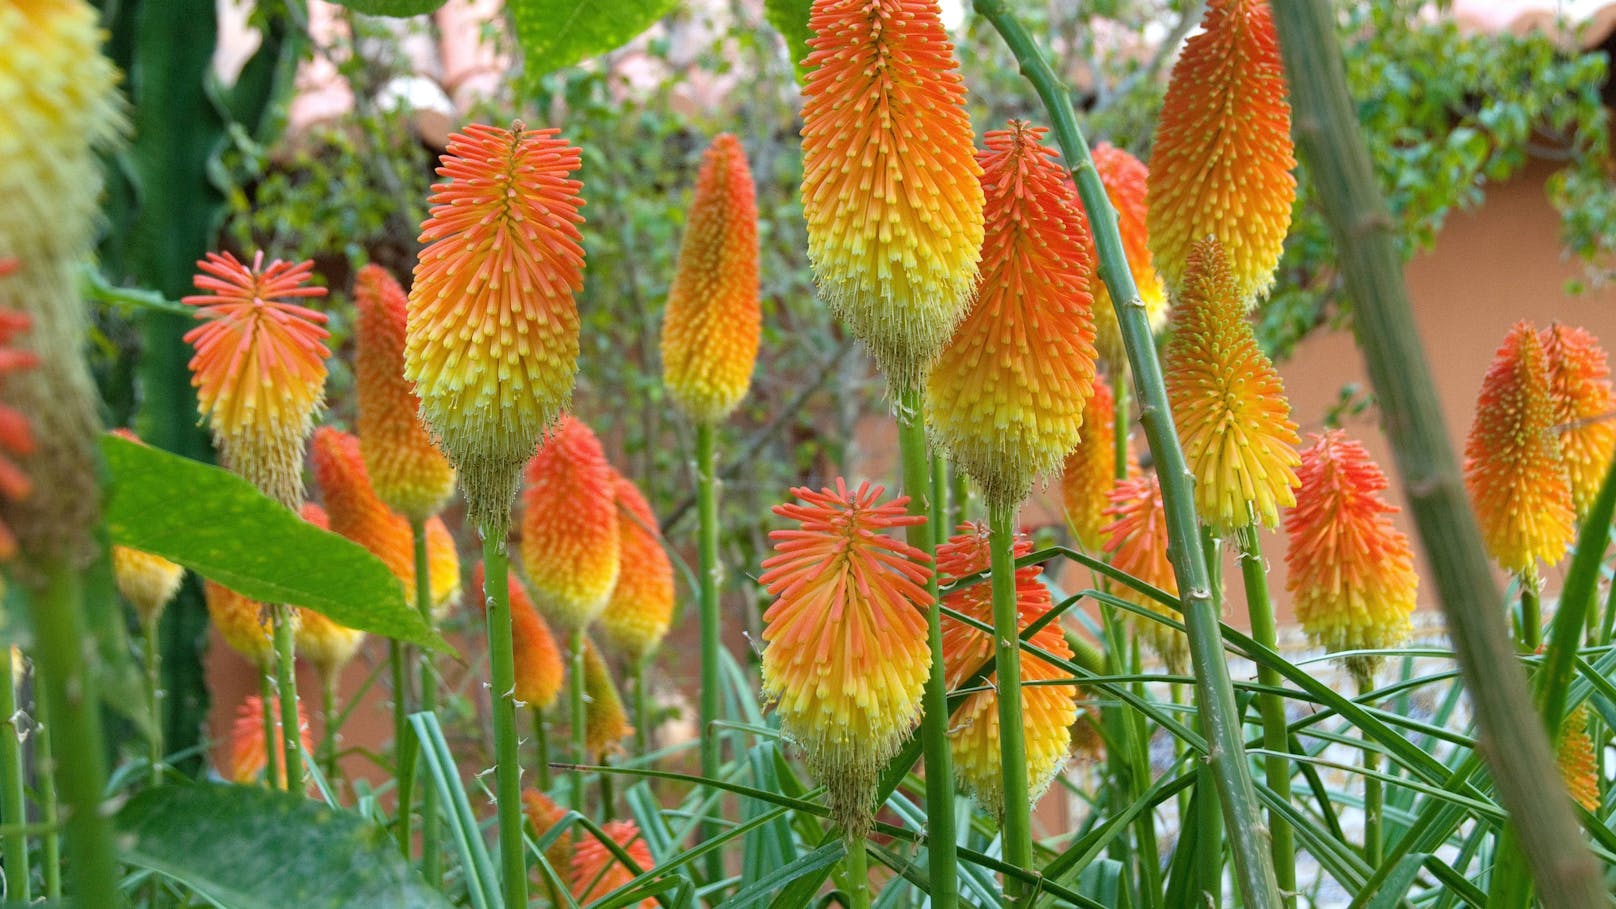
x,y
326,645
1006,394
711,330
245,760
1124,178
1350,571
492,337
1584,407
889,185
1579,766
540,668
543,813
244,623
596,870
570,539
147,582
845,655
1136,539
1090,471
408,472
1514,470
641,607
1228,401
606,721
16,433
1221,162
1048,711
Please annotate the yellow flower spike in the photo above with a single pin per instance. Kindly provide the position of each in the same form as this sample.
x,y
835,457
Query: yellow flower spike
x,y
1221,162
606,721
570,539
1584,407
146,581
1514,471
1006,395
408,472
540,667
244,623
597,871
711,330
1124,178
244,762
1048,711
1136,539
641,607
1090,470
326,645
1228,402
889,185
492,337
1579,766
1350,571
845,655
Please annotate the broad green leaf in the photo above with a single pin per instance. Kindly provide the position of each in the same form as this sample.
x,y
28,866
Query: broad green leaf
x,y
790,19
396,8
253,848
558,33
221,527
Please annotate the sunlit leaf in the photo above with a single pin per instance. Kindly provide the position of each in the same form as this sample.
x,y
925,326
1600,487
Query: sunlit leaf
x,y
558,33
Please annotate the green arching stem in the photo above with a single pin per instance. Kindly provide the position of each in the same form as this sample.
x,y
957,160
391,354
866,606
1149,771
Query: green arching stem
x,y
707,573
1531,615
942,863
858,876
50,812
401,740
272,734
541,741
580,720
13,809
939,499
154,698
431,852
1276,768
1016,823
286,686
502,674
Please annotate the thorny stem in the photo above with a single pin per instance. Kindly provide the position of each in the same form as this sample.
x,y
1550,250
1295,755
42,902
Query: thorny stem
x,y
272,733
49,805
286,685
401,742
154,699
13,809
507,767
707,595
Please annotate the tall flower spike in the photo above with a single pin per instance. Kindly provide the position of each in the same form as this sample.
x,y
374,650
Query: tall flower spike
x,y
641,607
407,470
1584,407
1514,471
1091,469
243,623
543,813
540,668
597,871
889,183
711,329
845,655
147,582
16,433
259,368
605,719
1221,162
1136,539
1228,401
1578,765
1350,572
492,339
1007,392
245,759
1124,177
326,645
570,540
1048,711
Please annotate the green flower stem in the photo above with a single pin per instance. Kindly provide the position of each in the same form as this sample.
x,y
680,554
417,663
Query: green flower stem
x,y
942,863
1276,742
507,768
13,808
328,719
272,735
580,721
1254,872
858,876
959,499
1531,615
1122,421
642,707
401,740
431,851
50,810
541,741
154,699
1374,799
708,575
1016,824
286,685
939,499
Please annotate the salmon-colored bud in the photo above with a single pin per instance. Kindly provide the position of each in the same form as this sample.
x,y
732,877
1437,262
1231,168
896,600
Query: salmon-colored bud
x,y
711,330
641,608
1006,395
1579,766
244,623
543,813
1124,177
605,719
408,471
146,581
845,656
1228,401
326,645
1514,470
570,540
492,339
1047,711
1221,162
597,871
540,667
245,761
889,183
16,434
1090,471
1584,408
1136,538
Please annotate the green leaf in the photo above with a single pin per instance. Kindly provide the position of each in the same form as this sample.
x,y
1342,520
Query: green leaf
x,y
558,33
252,848
396,8
790,19
220,526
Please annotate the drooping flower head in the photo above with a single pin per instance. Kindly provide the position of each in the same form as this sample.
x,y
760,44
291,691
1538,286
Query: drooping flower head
x,y
1579,766
245,761
846,655
1124,177
16,433
1228,401
605,719
1351,572
244,623
1136,538
1048,711
1091,469
1514,471
641,607
492,336
540,668
408,471
570,539
1006,395
1221,162
259,368
597,871
711,329
1584,407
889,184
326,645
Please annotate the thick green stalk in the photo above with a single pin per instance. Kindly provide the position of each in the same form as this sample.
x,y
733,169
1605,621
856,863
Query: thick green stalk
x,y
1527,782
328,719
431,852
13,807
1374,801
286,685
50,810
580,721
1122,420
1531,615
942,863
1016,823
154,699
707,573
1254,872
401,740
959,499
939,499
858,876
507,767
272,736
1276,768
541,741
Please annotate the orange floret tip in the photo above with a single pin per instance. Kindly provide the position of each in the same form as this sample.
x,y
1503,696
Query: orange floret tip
x,y
1514,470
244,763
1048,711
597,871
1579,766
1350,571
711,329
147,582
1584,408
889,186
570,539
1124,178
1136,539
641,607
1006,395
1228,401
492,337
407,470
845,655
1222,160
605,719
244,623
1090,470
540,667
